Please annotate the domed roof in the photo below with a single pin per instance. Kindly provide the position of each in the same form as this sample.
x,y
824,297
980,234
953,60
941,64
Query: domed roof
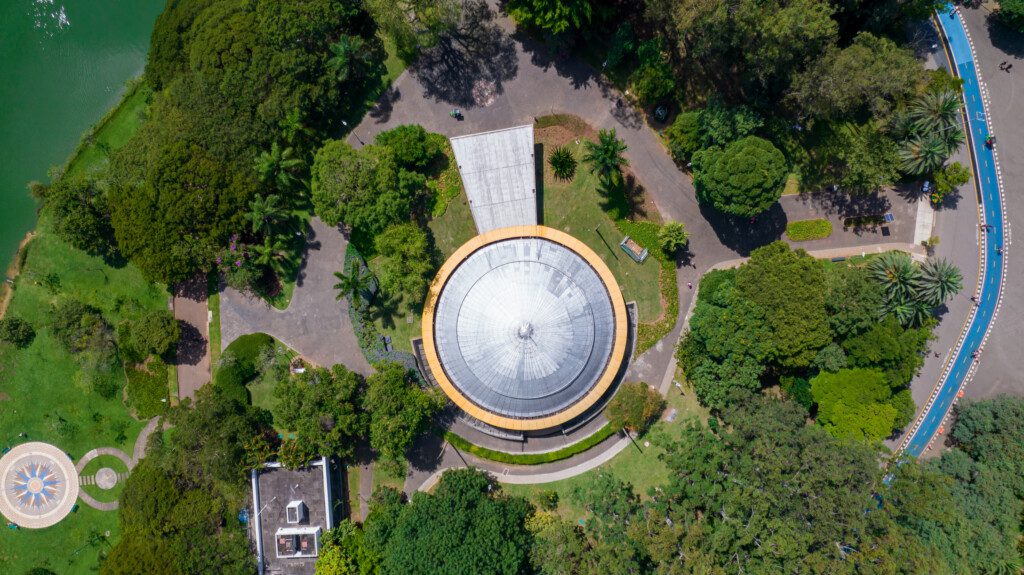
x,y
525,329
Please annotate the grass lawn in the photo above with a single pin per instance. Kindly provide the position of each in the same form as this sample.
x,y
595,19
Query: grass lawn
x,y
213,304
642,469
112,132
805,230
41,394
352,477
95,465
575,207
71,547
382,478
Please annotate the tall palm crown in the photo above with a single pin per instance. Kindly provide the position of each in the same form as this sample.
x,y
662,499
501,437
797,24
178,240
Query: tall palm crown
x,y
605,156
923,155
346,54
278,166
939,281
897,274
271,250
264,212
935,111
357,285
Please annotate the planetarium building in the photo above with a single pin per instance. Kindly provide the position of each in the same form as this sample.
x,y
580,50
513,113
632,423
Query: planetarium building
x,y
524,327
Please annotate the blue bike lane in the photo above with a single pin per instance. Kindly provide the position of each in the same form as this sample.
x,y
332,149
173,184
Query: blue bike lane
x,y
988,186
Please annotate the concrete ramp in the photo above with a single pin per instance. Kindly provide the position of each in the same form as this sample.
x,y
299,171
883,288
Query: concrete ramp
x,y
500,177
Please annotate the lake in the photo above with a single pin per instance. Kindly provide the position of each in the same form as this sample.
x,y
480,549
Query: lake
x,y
63,64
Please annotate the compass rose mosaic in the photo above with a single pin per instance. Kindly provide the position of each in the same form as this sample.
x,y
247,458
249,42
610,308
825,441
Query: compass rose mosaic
x,y
40,485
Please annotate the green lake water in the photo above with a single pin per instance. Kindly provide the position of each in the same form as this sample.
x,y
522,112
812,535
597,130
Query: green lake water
x,y
63,64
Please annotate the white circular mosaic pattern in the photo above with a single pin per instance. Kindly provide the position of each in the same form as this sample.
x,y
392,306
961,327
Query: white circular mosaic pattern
x,y
40,485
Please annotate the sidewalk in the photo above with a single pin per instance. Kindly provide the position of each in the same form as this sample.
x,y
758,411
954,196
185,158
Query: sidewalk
x,y
193,355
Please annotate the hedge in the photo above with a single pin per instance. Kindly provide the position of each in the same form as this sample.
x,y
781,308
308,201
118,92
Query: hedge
x,y
805,230
530,458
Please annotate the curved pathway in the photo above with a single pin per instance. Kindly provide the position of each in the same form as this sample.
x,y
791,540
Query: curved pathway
x,y
962,362
138,452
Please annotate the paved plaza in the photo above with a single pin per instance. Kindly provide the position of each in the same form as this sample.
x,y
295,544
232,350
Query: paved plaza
x,y
39,483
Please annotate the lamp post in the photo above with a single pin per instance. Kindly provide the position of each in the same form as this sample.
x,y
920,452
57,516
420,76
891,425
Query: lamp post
x,y
361,143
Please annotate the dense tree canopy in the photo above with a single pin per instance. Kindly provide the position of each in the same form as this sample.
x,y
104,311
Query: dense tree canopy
x,y
399,410
406,262
744,179
81,214
323,407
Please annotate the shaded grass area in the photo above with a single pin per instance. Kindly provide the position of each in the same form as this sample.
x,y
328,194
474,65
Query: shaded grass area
x,y
578,207
352,477
72,547
383,477
531,458
112,131
638,464
213,304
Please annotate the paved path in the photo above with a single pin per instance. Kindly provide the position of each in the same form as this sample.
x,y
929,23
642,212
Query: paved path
x,y
999,370
961,364
315,323
138,452
193,356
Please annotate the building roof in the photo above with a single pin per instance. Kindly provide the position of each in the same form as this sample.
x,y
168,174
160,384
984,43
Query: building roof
x,y
282,545
524,328
499,174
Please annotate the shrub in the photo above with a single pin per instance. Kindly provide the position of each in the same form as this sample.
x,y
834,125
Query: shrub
x,y
634,407
1011,12
805,230
147,389
673,237
155,332
80,327
237,365
562,162
684,136
950,178
17,332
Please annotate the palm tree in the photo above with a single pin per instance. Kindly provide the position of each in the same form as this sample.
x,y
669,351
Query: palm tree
x,y
356,285
605,156
293,128
952,139
278,166
935,111
345,53
271,250
923,155
897,274
264,212
939,281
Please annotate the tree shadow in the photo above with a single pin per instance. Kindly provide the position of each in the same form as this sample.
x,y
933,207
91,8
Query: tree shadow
x,y
842,204
740,234
544,56
622,197
469,65
425,453
386,308
191,346
1005,38
194,288
381,110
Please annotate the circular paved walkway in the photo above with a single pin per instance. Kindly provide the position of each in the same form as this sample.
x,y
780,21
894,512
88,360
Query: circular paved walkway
x,y
39,483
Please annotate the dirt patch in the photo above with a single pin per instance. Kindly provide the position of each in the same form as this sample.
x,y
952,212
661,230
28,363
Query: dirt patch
x,y
7,289
4,396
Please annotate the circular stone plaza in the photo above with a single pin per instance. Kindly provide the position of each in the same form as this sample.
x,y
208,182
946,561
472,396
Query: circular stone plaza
x,y
525,329
40,485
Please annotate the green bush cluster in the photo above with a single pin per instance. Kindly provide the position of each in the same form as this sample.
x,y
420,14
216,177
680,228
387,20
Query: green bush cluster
x,y
16,332
147,389
806,230
238,365
531,458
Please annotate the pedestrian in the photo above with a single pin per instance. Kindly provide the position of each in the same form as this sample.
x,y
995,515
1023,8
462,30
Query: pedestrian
x,y
974,298
1003,65
936,354
999,250
1007,68
689,285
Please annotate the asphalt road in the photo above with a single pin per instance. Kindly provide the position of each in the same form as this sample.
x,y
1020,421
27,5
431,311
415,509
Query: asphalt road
x,y
987,182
